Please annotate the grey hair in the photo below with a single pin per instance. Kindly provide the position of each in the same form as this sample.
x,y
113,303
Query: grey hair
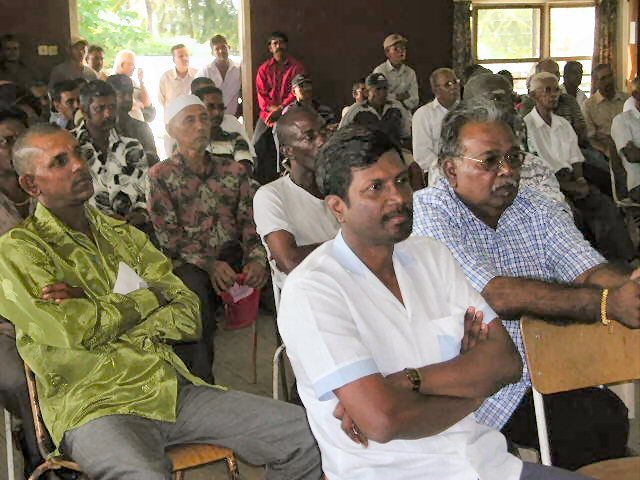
x,y
538,79
436,73
23,152
478,109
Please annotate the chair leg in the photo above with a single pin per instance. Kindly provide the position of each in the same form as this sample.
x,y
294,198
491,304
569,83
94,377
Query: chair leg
x,y
232,466
42,468
9,439
179,475
254,353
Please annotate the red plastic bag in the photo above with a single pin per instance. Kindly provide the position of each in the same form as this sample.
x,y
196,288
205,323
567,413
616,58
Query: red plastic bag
x,y
240,305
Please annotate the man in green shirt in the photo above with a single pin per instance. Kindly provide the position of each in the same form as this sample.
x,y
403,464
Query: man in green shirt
x,y
113,393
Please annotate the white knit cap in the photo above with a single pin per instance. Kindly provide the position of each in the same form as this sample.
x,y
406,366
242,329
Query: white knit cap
x,y
180,103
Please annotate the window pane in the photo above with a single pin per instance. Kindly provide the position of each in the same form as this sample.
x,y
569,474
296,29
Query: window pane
x,y
508,33
576,41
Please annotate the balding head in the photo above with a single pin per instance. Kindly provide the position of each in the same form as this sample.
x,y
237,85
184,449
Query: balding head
x,y
125,62
549,66
490,86
300,133
25,149
286,128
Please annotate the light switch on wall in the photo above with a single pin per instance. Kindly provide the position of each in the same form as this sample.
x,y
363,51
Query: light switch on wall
x,y
53,50
43,50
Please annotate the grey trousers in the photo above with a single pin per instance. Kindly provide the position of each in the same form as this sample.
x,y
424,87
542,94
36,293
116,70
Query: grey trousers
x,y
536,471
260,430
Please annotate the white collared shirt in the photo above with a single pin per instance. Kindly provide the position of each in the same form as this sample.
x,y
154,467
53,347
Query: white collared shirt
x,y
625,128
172,86
283,205
581,97
556,143
425,129
230,86
340,323
401,80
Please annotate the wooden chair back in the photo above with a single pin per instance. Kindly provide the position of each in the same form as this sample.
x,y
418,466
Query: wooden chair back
x,y
576,356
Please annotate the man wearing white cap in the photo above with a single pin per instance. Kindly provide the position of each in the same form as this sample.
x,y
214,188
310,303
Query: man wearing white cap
x,y
201,204
403,84
74,66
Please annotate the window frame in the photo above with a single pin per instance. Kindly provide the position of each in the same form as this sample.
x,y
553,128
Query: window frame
x,y
545,26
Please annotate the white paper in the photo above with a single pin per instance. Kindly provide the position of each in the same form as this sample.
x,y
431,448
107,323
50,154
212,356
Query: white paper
x,y
238,292
128,280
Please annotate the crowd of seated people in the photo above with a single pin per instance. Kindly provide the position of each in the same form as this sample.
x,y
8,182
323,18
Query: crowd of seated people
x,y
517,218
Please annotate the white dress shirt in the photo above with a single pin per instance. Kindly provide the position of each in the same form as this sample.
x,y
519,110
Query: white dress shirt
x,y
172,86
629,104
230,86
556,143
283,205
625,128
425,129
401,80
340,324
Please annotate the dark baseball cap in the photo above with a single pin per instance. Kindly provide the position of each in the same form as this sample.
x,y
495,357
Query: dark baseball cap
x,y
299,80
376,80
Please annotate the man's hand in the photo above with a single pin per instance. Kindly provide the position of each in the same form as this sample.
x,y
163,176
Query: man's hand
x,y
623,304
475,331
137,217
349,427
274,116
141,76
255,274
222,277
61,291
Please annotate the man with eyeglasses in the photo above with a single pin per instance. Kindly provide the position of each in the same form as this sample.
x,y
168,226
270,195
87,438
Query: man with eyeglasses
x,y
403,83
551,137
523,253
427,121
228,136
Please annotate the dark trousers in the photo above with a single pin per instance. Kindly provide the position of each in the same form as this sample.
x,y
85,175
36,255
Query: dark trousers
x,y
585,426
600,220
264,144
15,398
199,355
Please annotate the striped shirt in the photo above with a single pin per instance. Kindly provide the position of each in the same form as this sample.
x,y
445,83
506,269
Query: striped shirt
x,y
536,238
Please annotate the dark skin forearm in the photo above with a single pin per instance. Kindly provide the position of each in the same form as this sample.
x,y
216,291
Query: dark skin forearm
x,y
284,250
604,276
513,297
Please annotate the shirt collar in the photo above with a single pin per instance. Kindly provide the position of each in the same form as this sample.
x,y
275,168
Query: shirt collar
x,y
539,121
350,261
391,68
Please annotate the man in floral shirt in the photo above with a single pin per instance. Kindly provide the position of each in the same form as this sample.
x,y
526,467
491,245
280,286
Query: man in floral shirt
x,y
201,209
118,164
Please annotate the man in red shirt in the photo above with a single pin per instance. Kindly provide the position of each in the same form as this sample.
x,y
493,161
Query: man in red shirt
x,y
273,86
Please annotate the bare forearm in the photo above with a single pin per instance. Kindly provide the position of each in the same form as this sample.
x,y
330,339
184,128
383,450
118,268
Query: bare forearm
x,y
513,297
605,275
287,262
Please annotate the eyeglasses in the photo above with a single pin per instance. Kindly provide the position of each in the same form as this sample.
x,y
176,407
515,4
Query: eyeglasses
x,y
494,162
449,84
7,142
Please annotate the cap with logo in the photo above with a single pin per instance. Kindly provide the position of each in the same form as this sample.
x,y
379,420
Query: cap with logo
x,y
377,80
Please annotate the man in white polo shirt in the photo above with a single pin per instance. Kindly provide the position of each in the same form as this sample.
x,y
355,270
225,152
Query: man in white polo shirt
x,y
290,215
427,121
392,347
625,131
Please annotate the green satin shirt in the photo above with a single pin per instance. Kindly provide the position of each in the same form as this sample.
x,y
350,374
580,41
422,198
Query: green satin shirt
x,y
107,353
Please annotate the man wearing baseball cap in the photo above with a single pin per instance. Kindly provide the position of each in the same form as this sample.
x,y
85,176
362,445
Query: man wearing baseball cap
x,y
403,84
379,111
74,66
302,88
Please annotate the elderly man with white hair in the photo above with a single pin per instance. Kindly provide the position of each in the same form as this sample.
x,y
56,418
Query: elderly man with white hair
x,y
201,206
125,64
552,138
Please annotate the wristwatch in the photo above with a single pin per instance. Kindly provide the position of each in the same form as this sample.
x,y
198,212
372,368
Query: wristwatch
x,y
414,377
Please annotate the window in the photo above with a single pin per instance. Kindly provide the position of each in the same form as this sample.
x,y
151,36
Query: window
x,y
516,36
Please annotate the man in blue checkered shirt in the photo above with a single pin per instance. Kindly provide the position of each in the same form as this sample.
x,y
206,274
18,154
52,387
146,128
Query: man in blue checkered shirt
x,y
523,252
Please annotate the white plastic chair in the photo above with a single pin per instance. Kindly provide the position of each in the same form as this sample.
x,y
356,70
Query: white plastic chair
x,y
9,445
278,373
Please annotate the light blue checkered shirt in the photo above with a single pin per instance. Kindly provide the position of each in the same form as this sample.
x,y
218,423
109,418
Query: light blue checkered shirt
x,y
536,238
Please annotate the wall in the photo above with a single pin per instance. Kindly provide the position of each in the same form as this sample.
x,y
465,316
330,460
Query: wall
x,y
37,22
341,40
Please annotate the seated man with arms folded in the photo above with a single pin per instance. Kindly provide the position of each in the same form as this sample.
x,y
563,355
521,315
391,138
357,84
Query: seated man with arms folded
x,y
625,131
551,137
386,334
523,253
113,393
291,216
201,204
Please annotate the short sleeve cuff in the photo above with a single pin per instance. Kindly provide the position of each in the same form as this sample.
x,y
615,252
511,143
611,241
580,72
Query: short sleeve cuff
x,y
145,300
325,386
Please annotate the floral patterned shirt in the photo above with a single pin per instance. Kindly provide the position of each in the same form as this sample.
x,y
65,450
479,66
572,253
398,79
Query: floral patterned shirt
x,y
194,215
120,181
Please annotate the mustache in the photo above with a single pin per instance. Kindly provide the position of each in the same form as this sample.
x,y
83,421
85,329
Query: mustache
x,y
83,177
403,210
509,182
